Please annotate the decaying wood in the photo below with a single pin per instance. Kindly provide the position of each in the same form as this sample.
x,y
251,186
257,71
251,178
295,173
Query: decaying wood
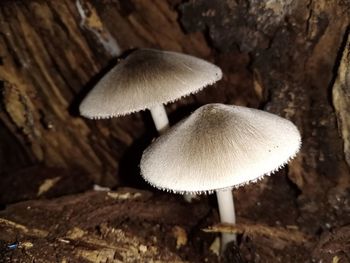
x,y
334,246
127,225
41,182
341,96
281,235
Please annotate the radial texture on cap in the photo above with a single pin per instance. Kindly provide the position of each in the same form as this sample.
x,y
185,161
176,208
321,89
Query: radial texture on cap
x,y
219,146
147,78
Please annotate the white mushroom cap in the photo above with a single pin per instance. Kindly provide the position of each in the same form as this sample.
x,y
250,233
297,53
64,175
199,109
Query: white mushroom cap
x,y
217,147
147,78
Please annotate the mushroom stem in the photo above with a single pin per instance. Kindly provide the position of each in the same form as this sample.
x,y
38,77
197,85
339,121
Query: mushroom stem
x,y
160,118
227,214
161,121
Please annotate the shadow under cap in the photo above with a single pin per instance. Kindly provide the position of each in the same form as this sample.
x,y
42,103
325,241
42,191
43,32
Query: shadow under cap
x,y
147,78
217,147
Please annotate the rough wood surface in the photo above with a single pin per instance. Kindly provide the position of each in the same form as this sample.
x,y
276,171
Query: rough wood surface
x,y
341,96
131,225
127,225
289,234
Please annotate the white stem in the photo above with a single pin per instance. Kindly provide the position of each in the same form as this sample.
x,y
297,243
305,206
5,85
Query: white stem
x,y
161,121
227,214
160,118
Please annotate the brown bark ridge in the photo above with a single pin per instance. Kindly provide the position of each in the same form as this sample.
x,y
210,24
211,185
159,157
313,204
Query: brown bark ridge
x,y
341,96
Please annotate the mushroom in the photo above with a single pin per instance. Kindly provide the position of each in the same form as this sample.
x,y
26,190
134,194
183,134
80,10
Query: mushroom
x,y
147,79
217,148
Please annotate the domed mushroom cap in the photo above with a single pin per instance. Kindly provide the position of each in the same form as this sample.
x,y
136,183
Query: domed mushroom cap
x,y
217,147
147,78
